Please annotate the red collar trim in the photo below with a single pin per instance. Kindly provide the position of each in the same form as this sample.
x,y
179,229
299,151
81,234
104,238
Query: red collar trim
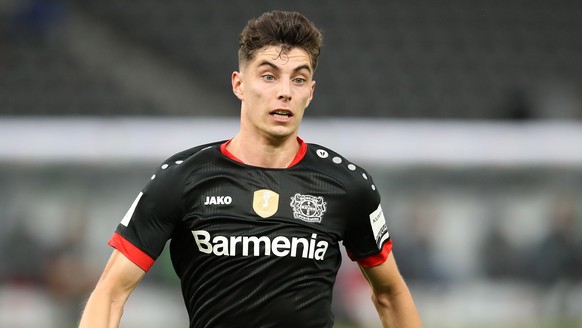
x,y
300,154
228,154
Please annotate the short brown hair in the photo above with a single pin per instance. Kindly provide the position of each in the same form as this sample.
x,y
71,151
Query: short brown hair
x,y
280,28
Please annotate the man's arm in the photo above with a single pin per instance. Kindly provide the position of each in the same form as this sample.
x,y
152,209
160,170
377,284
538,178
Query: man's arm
x,y
105,305
391,296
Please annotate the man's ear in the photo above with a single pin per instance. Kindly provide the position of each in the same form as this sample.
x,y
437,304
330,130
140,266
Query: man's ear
x,y
236,81
311,95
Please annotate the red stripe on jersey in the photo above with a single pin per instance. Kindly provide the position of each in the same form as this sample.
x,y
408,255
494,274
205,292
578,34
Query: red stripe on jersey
x,y
377,259
298,157
133,253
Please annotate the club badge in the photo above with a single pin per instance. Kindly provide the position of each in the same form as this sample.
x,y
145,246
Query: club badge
x,y
308,208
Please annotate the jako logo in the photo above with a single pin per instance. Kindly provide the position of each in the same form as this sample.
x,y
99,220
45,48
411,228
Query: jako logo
x,y
280,246
218,200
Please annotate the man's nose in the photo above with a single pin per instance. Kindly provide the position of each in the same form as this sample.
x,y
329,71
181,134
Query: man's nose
x,y
285,91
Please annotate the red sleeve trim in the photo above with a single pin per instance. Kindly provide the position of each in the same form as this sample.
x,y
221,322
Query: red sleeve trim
x,y
374,260
133,253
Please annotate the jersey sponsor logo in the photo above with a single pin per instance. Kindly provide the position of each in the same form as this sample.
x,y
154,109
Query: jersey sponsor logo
x,y
308,208
279,246
218,200
379,228
265,203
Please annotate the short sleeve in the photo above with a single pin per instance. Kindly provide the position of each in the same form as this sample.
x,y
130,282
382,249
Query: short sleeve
x,y
367,239
148,224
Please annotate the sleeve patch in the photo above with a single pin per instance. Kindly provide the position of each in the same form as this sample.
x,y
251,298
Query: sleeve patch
x,y
378,223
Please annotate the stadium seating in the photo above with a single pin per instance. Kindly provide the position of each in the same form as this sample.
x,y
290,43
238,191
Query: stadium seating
x,y
454,60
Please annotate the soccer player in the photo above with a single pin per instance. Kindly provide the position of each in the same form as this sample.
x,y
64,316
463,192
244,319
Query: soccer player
x,y
256,221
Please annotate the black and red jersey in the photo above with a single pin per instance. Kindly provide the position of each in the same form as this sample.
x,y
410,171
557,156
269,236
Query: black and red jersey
x,y
252,246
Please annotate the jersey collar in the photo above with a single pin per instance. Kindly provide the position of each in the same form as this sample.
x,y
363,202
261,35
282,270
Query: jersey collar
x,y
298,157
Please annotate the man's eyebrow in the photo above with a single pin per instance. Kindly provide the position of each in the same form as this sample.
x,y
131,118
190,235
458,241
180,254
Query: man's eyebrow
x,y
275,67
268,63
307,67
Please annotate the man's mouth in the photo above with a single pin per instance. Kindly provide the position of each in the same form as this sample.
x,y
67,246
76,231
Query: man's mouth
x,y
281,114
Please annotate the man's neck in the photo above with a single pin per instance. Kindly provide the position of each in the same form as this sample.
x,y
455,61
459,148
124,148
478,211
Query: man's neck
x,y
264,153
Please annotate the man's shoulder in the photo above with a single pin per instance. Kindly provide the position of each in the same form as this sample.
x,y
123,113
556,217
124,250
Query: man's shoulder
x,y
189,153
326,157
190,159
330,162
355,180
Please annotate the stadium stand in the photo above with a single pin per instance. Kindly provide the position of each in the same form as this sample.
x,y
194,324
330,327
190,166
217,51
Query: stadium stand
x,y
495,60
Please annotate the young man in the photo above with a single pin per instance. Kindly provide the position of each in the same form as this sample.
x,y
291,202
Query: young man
x,y
255,222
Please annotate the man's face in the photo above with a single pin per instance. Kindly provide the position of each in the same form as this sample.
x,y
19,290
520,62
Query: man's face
x,y
274,88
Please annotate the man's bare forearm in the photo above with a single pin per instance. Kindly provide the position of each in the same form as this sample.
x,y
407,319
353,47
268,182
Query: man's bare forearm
x,y
101,311
105,305
397,309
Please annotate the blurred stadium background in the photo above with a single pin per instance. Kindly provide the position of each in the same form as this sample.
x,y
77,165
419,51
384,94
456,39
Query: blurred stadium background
x,y
467,113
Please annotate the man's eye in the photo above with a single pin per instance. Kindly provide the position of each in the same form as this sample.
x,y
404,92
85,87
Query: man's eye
x,y
299,80
268,77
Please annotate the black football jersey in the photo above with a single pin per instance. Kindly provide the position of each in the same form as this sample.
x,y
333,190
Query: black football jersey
x,y
252,246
